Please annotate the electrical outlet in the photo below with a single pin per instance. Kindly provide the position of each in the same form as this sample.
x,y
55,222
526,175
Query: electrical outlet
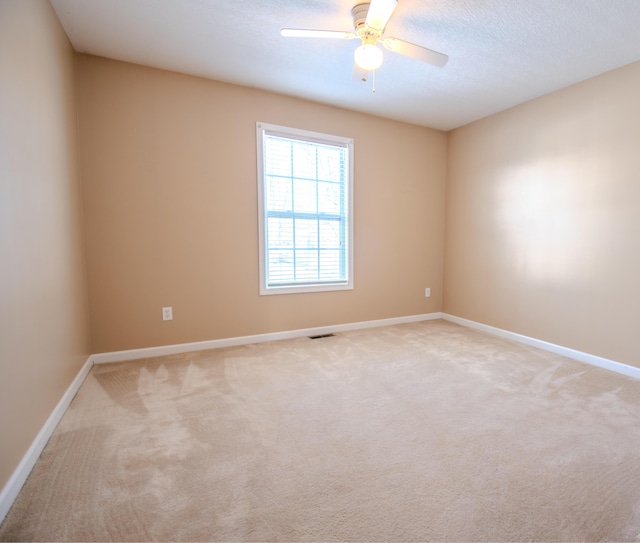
x,y
427,292
167,314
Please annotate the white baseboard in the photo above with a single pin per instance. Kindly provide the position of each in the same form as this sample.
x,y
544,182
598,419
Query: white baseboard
x,y
612,365
19,476
134,354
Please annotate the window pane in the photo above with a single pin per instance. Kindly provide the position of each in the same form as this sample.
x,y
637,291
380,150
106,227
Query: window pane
x,y
281,266
278,156
278,193
307,265
305,196
330,265
280,233
328,198
330,163
304,160
330,234
306,235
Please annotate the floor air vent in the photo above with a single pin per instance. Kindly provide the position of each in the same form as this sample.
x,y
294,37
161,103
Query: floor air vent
x,y
321,336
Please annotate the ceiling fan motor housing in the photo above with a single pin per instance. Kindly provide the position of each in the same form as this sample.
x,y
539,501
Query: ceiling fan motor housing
x,y
359,13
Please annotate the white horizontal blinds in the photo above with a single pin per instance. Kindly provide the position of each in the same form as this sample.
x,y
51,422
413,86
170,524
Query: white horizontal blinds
x,y
305,203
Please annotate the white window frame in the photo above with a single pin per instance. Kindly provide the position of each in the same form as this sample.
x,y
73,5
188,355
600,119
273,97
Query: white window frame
x,y
263,129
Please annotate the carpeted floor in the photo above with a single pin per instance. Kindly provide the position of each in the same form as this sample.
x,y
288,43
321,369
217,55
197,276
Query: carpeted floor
x,y
417,432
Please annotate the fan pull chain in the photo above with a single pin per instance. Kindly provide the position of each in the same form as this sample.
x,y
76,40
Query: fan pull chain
x,y
373,81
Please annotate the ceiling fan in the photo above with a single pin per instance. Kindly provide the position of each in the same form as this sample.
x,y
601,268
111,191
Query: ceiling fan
x,y
369,21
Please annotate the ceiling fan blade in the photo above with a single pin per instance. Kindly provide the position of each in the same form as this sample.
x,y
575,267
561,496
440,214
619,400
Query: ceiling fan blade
x,y
415,51
379,13
333,34
359,74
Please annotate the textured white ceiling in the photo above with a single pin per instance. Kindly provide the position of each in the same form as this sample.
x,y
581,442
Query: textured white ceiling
x,y
502,52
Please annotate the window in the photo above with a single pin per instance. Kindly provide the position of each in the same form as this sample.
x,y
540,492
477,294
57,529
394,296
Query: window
x,y
305,199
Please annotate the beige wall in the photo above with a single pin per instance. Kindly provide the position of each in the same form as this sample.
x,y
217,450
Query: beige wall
x,y
543,218
170,200
44,338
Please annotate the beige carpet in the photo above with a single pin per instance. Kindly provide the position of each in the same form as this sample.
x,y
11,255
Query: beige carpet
x,y
417,432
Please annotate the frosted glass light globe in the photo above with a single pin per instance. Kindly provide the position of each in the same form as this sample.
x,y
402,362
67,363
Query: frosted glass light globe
x,y
368,57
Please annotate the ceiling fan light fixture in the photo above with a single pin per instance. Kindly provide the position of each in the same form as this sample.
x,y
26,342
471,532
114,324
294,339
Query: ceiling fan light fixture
x,y
370,18
368,57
